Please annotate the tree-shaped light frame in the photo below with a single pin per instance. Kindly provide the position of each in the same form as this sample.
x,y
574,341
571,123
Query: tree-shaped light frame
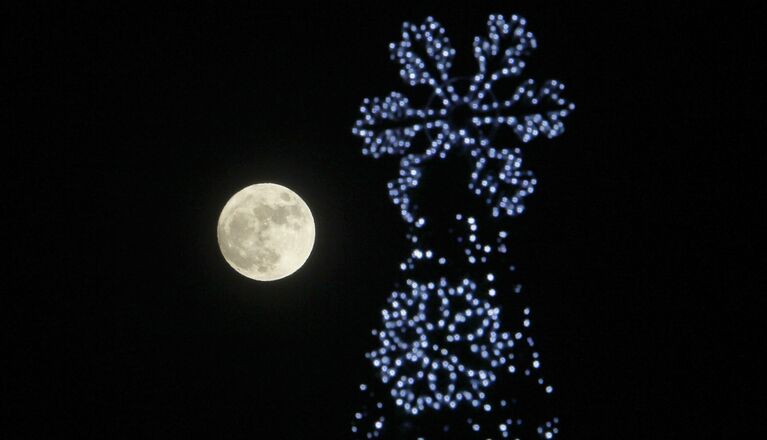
x,y
426,324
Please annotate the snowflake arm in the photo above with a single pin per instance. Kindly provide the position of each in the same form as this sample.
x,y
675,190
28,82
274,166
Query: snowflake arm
x,y
540,111
501,167
487,50
399,188
430,39
387,125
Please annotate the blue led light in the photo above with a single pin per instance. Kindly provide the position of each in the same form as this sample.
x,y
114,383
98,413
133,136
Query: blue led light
x,y
388,125
442,344
424,327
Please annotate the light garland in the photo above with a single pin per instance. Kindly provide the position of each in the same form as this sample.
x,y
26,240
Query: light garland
x,y
388,125
442,344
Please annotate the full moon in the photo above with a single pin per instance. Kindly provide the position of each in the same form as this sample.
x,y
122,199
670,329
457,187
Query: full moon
x,y
266,232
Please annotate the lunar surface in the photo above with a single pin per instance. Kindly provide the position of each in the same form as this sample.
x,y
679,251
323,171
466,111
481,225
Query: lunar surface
x,y
266,232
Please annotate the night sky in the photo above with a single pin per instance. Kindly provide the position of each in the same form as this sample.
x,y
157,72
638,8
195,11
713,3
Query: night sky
x,y
124,319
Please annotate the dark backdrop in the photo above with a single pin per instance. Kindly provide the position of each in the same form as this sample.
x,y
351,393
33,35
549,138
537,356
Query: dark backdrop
x,y
124,318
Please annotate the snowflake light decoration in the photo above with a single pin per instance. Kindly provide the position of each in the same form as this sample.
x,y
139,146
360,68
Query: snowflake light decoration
x,y
452,120
442,345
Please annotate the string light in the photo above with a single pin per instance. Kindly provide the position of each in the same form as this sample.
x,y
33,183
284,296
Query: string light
x,y
442,345
388,125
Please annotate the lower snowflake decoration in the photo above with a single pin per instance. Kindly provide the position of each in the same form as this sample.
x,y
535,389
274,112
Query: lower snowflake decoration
x,y
446,351
440,345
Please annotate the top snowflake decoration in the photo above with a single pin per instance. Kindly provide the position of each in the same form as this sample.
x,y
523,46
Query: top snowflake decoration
x,y
453,120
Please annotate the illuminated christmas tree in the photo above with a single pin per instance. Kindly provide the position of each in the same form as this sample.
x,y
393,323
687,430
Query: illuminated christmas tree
x,y
447,352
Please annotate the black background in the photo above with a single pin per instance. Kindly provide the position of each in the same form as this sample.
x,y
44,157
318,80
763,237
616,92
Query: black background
x,y
125,320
